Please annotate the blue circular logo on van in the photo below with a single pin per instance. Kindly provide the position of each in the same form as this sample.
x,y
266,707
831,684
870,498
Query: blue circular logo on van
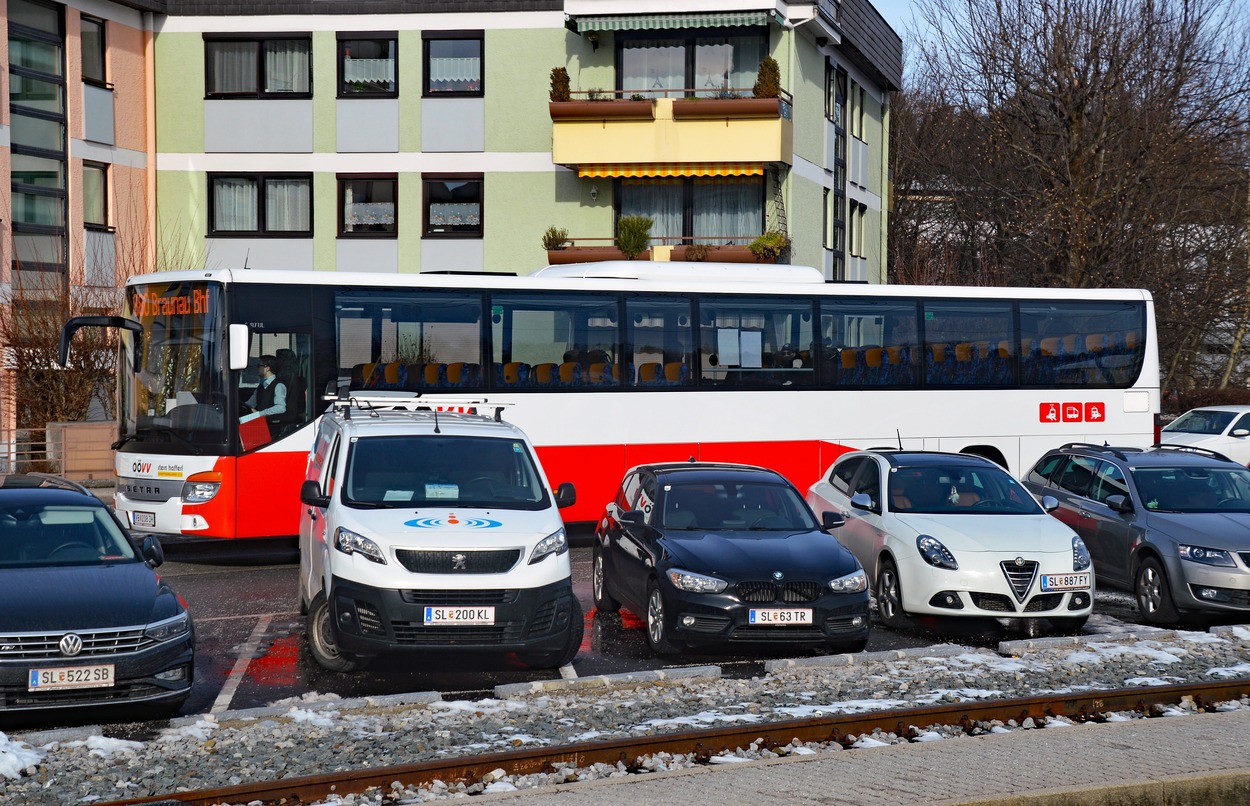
x,y
452,520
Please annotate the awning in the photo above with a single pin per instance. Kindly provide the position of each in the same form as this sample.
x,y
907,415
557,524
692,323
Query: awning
x,y
674,169
648,22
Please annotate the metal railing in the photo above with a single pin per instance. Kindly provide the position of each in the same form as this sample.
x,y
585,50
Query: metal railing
x,y
80,451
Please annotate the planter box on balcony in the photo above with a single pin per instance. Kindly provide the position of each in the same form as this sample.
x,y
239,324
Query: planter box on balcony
x,y
602,110
589,254
689,108
720,254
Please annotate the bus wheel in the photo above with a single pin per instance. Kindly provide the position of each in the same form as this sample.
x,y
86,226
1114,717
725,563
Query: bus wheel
x,y
321,643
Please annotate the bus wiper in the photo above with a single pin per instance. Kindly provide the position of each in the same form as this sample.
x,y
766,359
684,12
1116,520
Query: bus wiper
x,y
160,429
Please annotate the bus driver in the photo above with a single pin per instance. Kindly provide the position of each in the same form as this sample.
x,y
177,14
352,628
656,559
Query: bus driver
x,y
269,397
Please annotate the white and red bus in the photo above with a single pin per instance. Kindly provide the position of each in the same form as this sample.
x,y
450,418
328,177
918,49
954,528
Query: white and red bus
x,y
608,365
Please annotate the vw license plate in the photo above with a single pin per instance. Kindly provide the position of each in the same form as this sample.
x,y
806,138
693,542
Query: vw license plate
x,y
1064,582
100,676
781,617
145,520
460,615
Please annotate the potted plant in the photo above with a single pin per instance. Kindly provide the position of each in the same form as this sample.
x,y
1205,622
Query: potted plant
x,y
560,91
633,233
770,246
768,79
555,239
765,101
596,105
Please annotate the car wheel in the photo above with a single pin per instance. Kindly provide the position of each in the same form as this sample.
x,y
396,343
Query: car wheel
x,y
572,643
1071,625
599,585
1154,598
321,642
657,623
890,596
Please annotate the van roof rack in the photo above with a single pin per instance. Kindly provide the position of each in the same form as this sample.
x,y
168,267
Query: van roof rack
x,y
1193,449
1089,446
374,404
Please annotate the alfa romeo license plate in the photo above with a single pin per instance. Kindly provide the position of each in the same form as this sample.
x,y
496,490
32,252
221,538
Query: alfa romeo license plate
x,y
1064,582
459,615
100,676
781,617
145,520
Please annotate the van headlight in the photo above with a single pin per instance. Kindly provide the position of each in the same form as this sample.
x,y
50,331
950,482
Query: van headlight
x,y
348,542
554,543
169,628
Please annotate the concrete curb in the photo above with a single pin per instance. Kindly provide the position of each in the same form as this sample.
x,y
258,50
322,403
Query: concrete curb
x,y
1013,649
858,659
623,680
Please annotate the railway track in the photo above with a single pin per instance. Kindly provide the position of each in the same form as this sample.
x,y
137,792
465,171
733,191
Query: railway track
x,y
703,744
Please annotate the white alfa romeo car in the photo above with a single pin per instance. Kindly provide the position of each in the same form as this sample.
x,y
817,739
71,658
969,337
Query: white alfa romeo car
x,y
946,534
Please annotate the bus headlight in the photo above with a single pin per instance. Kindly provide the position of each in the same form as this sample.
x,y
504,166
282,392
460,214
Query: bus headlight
x,y
348,542
555,543
200,488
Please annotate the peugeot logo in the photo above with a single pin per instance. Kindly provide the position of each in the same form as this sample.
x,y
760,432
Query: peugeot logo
x,y
458,562
1019,561
777,575
71,645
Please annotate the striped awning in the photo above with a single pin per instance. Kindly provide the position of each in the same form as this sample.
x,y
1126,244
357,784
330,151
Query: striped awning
x,y
648,22
674,169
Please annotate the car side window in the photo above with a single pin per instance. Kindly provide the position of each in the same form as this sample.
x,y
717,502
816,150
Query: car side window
x,y
1242,422
327,486
1044,470
1108,482
842,474
628,493
1078,476
868,481
646,495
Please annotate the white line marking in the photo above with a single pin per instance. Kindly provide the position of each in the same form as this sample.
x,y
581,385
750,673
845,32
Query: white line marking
x,y
222,703
245,616
568,672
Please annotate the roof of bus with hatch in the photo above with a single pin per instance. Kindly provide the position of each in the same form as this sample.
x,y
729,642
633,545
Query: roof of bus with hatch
x,y
634,275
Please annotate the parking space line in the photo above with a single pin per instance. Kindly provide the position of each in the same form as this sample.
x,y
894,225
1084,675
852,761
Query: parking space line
x,y
568,672
242,616
222,703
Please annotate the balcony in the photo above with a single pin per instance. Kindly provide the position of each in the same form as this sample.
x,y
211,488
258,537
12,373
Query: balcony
x,y
610,130
663,249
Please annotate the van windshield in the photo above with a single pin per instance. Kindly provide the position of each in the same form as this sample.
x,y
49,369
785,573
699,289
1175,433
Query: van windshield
x,y
443,470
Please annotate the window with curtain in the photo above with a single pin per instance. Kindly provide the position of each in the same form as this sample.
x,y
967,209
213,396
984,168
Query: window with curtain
x,y
453,205
95,195
252,204
277,67
714,210
93,50
368,206
662,199
453,63
367,67
702,64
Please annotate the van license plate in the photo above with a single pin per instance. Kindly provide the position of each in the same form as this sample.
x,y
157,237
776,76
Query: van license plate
x,y
100,676
782,617
459,615
144,520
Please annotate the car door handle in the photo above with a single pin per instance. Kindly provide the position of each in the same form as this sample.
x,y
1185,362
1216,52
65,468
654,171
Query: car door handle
x,y
1084,513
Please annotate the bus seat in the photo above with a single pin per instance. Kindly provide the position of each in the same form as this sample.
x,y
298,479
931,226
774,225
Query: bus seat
x,y
570,374
1097,342
1130,339
650,374
361,373
939,366
546,374
598,374
874,370
1051,345
462,373
1069,344
414,377
513,373
434,374
623,374
675,372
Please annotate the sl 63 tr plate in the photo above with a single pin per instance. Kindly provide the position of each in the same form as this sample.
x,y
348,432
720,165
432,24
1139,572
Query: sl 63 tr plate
x,y
781,617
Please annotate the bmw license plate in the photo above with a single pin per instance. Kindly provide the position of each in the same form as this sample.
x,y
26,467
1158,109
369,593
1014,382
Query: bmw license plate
x,y
781,617
143,520
1064,582
459,615
100,676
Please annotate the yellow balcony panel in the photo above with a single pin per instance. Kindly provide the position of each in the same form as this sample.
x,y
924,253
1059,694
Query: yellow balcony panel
x,y
731,135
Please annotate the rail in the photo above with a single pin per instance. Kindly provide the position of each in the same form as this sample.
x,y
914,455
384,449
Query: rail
x,y
1087,706
79,451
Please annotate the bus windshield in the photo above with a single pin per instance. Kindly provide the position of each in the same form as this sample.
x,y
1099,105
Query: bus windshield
x,y
175,398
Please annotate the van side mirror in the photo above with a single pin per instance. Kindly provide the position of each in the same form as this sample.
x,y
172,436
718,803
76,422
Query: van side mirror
x,y
1050,503
1120,503
831,520
566,495
310,493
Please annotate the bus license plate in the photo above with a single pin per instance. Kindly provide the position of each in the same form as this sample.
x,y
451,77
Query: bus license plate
x,y
782,617
144,519
460,615
100,676
1064,582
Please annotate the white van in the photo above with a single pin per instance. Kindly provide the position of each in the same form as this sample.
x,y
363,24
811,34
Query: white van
x,y
426,530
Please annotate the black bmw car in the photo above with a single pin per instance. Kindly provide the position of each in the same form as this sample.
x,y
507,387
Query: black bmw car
x,y
85,621
720,553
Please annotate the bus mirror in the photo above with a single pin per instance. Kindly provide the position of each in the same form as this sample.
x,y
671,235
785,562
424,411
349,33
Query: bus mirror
x,y
78,322
239,341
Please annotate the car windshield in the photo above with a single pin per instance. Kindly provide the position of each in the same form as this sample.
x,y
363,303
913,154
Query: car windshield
x,y
442,470
728,506
40,535
1201,421
1193,489
958,490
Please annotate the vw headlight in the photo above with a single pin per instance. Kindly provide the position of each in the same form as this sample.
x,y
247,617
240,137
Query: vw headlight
x,y
851,583
169,628
555,543
1080,554
348,542
935,554
695,583
1206,556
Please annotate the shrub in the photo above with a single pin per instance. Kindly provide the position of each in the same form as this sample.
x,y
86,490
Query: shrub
x,y
633,233
697,252
555,238
1181,401
560,85
770,246
768,80
596,94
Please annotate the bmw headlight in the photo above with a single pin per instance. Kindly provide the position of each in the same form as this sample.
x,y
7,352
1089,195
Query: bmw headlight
x,y
935,554
1206,556
348,542
169,628
851,583
691,582
555,543
1080,554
